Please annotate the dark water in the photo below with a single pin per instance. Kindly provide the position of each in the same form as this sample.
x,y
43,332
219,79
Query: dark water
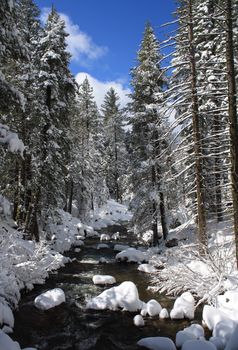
x,y
70,327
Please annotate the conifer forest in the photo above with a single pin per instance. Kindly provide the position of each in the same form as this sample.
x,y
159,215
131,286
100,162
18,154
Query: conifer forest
x,y
119,222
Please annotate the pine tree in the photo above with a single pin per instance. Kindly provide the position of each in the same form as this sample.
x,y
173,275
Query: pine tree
x,y
115,150
56,87
147,138
86,166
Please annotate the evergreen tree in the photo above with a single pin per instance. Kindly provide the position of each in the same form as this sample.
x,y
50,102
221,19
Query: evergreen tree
x,y
86,166
56,87
147,138
115,150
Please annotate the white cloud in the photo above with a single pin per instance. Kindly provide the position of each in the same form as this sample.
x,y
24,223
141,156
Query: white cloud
x,y
80,44
100,88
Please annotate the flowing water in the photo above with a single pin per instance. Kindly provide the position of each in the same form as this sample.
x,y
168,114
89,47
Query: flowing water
x,y
69,326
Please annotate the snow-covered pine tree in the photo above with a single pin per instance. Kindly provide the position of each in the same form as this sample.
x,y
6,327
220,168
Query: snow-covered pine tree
x,y
147,138
11,48
86,165
56,86
115,149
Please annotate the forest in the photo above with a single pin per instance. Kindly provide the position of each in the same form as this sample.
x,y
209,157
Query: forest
x,y
158,177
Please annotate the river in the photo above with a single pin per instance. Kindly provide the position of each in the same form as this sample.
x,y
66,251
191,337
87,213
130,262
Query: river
x,y
69,326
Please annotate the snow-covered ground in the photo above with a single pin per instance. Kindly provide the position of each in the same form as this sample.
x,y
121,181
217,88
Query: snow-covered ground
x,y
109,214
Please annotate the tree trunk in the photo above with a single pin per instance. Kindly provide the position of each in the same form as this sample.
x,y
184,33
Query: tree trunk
x,y
201,218
71,192
232,101
163,216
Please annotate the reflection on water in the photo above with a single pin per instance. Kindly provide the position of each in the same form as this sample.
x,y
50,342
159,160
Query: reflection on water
x,y
70,327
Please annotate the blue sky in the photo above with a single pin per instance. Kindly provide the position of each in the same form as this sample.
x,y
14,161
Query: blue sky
x,y
105,36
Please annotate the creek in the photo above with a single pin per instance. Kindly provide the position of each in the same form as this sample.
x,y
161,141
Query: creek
x,y
70,326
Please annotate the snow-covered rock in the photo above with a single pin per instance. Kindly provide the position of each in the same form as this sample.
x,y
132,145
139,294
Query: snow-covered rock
x,y
6,343
132,255
217,342
138,321
50,299
116,236
196,329
223,330
153,307
103,260
157,343
6,315
104,279
7,330
102,246
147,268
78,243
124,296
120,247
164,314
198,345
211,316
233,341
183,336
105,237
184,307
77,250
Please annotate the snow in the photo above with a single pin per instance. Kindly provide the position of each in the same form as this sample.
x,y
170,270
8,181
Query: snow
x,y
102,246
147,268
125,296
11,139
120,247
103,279
78,243
157,343
116,236
138,321
105,237
164,314
6,315
153,308
217,342
233,341
132,255
183,336
211,316
198,345
50,299
184,307
110,214
6,343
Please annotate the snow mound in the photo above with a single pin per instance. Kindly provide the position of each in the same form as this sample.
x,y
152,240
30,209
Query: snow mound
x,y
116,236
198,345
195,331
125,296
50,299
138,321
132,255
233,341
184,307
6,315
78,243
164,314
147,268
102,246
157,343
105,237
120,247
153,308
103,279
6,343
211,316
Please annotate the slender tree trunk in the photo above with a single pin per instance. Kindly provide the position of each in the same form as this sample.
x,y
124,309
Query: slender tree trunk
x,y
202,237
232,101
217,169
155,209
71,192
163,215
116,164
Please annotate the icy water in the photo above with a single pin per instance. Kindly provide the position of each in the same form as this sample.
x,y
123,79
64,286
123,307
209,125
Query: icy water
x,y
69,326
